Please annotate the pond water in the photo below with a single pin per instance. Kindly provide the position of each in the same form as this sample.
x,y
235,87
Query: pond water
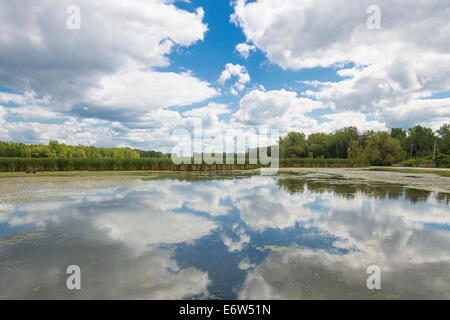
x,y
196,236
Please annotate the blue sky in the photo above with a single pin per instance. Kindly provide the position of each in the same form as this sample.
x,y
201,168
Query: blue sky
x,y
132,75
208,58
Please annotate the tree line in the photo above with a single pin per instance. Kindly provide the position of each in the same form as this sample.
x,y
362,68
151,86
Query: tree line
x,y
378,147
375,147
62,151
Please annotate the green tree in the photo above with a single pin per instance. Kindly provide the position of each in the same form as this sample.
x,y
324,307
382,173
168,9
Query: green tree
x,y
421,140
398,133
343,139
444,139
356,150
54,148
401,135
294,145
383,150
319,144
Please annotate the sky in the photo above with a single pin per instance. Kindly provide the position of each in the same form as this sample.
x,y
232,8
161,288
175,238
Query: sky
x,y
133,72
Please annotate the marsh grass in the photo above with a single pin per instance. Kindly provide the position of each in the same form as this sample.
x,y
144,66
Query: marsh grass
x,y
35,165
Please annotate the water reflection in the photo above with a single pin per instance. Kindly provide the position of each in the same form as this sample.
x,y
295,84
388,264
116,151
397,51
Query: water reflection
x,y
206,236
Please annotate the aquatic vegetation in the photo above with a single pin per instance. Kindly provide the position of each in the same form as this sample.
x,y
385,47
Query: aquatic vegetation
x,y
443,173
34,165
54,164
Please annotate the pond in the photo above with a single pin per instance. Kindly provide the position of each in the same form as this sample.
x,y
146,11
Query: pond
x,y
210,236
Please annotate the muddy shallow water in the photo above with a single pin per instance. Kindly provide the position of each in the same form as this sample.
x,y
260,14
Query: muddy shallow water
x,y
296,235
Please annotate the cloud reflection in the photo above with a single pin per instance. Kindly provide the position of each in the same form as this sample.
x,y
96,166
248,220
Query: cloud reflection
x,y
128,238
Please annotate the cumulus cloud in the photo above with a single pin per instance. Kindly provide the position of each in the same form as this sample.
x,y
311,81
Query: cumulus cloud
x,y
209,114
244,49
105,70
409,58
2,114
108,62
25,98
357,119
135,91
277,108
235,70
437,111
35,113
72,131
6,97
65,80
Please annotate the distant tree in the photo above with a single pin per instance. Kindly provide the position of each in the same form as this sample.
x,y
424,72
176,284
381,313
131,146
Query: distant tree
x,y
383,150
401,135
444,139
40,151
80,153
343,139
367,136
421,140
294,145
319,144
356,150
54,148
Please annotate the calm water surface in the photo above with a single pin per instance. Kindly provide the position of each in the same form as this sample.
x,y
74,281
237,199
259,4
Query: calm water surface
x,y
222,237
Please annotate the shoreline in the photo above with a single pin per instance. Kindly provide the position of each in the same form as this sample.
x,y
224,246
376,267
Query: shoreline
x,y
430,179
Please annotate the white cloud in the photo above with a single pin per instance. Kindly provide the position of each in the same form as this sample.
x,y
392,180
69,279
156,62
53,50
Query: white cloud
x,y
141,91
285,111
72,131
110,77
349,119
277,109
235,70
407,59
6,97
209,114
244,49
28,97
108,61
437,111
3,114
35,113
211,108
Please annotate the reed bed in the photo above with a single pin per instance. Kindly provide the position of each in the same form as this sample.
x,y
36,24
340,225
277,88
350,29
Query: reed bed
x,y
55,164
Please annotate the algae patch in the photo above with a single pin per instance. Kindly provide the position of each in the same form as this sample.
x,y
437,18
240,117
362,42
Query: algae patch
x,y
21,237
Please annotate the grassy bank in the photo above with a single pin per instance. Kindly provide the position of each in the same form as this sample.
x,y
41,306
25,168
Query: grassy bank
x,y
440,161
58,165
